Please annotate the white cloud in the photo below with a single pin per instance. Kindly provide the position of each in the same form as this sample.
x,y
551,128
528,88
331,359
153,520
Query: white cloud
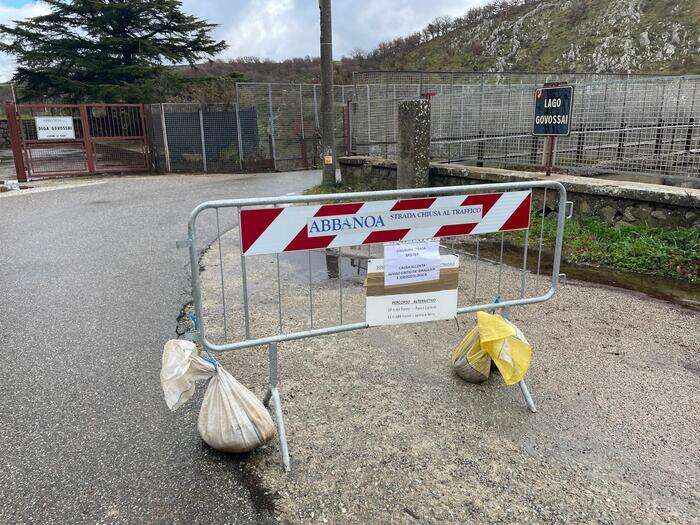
x,y
9,14
281,29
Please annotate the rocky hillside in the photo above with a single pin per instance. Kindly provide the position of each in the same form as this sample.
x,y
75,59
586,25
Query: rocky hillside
x,y
556,35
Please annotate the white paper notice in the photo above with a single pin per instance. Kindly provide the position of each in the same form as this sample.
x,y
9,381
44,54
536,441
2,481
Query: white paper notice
x,y
411,307
411,262
49,128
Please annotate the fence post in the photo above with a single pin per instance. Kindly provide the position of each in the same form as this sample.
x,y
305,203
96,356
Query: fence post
x,y
87,141
304,156
272,128
239,134
413,146
201,134
166,149
481,146
316,110
369,120
346,127
16,140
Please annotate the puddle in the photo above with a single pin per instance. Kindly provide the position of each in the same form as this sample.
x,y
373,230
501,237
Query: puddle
x,y
326,265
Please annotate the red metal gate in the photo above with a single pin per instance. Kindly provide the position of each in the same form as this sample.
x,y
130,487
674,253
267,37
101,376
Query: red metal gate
x,y
57,140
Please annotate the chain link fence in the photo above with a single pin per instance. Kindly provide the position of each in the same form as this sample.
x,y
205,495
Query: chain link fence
x,y
622,124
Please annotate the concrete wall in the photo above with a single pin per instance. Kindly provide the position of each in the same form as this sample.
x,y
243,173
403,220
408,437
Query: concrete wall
x,y
616,202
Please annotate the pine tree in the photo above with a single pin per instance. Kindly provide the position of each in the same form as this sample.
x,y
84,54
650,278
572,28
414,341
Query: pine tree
x,y
105,50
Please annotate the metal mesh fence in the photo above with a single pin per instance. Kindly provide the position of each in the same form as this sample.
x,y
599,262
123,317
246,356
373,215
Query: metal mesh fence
x,y
623,124
271,126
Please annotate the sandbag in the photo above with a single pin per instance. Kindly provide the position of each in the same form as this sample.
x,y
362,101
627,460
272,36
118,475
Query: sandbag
x,y
232,418
496,339
469,360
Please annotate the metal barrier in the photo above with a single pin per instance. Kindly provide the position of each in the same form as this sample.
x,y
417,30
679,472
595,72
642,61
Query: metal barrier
x,y
267,226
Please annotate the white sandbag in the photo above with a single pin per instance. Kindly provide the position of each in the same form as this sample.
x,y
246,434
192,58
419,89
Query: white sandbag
x,y
231,419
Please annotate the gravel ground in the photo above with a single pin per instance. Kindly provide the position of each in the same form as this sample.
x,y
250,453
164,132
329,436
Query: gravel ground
x,y
380,430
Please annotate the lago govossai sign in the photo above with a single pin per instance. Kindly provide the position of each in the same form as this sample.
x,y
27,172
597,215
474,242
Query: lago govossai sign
x,y
553,110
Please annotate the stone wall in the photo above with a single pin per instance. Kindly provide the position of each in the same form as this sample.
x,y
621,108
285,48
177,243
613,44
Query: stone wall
x,y
616,202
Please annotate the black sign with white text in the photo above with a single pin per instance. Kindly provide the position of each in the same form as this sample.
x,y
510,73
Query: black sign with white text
x,y
553,110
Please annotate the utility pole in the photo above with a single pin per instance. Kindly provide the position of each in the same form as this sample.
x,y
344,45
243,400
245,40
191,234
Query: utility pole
x,y
327,118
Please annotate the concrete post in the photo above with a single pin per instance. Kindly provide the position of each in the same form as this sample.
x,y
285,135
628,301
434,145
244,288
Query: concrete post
x,y
414,144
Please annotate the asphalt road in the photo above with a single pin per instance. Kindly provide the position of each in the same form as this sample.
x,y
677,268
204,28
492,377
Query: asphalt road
x,y
90,287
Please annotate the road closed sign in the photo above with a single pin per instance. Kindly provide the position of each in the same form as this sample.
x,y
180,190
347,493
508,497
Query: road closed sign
x,y
318,226
54,128
553,110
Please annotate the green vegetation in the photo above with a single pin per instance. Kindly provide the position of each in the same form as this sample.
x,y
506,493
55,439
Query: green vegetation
x,y
335,188
664,252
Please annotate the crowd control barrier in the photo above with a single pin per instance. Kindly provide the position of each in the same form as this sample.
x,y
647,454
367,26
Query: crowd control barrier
x,y
482,215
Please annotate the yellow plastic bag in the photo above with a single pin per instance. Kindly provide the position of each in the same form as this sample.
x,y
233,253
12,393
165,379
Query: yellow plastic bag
x,y
492,339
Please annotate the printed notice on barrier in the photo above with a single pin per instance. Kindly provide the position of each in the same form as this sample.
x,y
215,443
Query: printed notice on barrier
x,y
413,303
411,262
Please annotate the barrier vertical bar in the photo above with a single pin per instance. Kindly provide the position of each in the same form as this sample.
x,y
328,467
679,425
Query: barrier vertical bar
x,y
166,148
279,292
221,273
244,285
201,133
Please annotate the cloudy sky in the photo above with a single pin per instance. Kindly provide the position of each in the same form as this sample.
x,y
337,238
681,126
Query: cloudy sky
x,y
280,29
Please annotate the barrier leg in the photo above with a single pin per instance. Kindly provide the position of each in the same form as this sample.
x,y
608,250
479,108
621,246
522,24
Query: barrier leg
x,y
523,385
527,396
273,395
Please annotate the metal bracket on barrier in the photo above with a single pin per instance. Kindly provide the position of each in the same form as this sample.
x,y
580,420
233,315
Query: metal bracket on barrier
x,y
186,243
562,279
569,205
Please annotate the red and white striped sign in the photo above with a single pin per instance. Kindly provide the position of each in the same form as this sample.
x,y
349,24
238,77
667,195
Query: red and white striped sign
x,y
276,230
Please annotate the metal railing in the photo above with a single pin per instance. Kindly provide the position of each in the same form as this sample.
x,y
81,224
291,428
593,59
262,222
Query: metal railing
x,y
229,318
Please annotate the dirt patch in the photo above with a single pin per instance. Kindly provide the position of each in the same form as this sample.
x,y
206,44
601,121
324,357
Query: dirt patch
x,y
380,430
